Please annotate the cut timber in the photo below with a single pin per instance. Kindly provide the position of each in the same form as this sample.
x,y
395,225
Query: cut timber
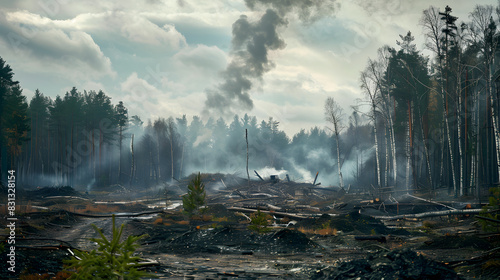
x,y
430,214
258,175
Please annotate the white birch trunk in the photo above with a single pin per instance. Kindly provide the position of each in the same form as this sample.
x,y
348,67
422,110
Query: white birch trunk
x,y
376,142
386,173
459,132
394,157
496,131
407,180
341,180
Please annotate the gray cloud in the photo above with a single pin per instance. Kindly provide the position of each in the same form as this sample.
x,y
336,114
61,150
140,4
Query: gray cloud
x,y
202,57
251,44
54,49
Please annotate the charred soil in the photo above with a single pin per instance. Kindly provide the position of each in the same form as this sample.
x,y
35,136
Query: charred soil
x,y
313,234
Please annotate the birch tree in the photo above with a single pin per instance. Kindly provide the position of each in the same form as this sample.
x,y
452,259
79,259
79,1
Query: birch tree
x,y
433,30
484,33
369,86
334,115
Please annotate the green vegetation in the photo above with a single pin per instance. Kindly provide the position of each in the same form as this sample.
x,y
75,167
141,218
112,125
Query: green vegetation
x,y
491,211
259,222
112,259
195,198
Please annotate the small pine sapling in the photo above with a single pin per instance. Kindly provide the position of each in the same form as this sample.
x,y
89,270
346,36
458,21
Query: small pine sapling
x,y
259,222
196,196
112,259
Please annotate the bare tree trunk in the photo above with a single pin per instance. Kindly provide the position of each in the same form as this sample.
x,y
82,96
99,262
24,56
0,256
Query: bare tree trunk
x,y
377,157
158,177
496,131
132,167
120,155
182,160
172,153
386,173
334,115
408,157
426,150
339,164
246,138
475,161
451,152
394,156
460,151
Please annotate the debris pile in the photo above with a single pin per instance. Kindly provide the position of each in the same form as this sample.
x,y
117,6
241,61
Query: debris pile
x,y
397,264
352,222
230,240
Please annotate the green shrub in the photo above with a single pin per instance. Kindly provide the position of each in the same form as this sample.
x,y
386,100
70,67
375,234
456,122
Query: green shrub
x,y
491,211
259,222
112,259
195,198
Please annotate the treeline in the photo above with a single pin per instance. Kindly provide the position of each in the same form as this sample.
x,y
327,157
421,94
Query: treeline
x,y
84,140
436,119
431,122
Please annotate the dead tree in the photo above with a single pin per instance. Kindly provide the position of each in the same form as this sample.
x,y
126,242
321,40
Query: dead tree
x,y
246,137
334,115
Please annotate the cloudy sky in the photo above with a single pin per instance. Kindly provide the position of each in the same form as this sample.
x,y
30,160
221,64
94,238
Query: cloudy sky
x,y
173,57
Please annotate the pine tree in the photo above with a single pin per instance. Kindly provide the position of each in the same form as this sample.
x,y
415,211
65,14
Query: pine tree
x,y
121,119
6,83
15,122
195,198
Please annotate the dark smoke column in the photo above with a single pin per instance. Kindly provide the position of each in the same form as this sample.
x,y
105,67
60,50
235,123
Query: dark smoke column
x,y
251,44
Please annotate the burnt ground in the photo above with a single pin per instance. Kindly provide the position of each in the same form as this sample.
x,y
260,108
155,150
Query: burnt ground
x,y
314,234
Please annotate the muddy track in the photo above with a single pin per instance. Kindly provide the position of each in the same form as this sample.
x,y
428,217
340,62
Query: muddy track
x,y
78,234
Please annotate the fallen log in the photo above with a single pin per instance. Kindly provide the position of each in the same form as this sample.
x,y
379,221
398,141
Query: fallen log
x,y
488,219
433,202
280,214
430,214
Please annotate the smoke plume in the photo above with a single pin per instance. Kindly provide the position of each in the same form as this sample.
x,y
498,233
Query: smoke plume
x,y
251,44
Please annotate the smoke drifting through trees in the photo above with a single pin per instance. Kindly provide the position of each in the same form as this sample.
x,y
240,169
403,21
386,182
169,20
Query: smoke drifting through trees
x,y
251,44
79,139
431,123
